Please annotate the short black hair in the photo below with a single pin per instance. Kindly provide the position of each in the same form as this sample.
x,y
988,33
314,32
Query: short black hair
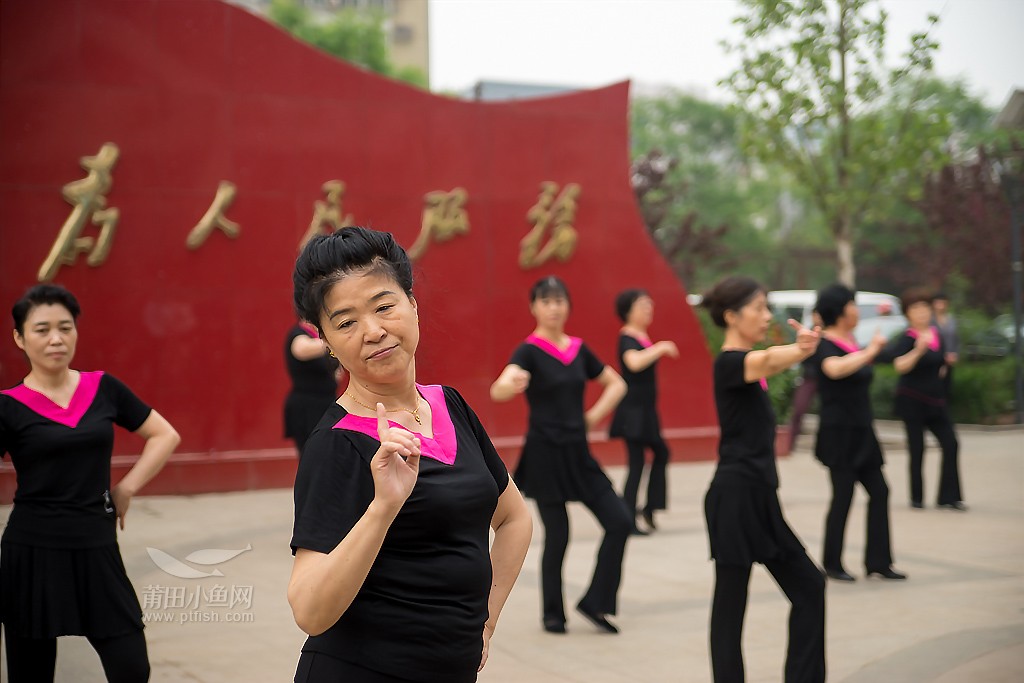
x,y
731,293
916,295
41,295
326,259
832,302
625,300
549,286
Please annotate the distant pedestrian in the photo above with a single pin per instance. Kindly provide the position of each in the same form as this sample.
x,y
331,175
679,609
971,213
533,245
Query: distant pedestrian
x,y
946,323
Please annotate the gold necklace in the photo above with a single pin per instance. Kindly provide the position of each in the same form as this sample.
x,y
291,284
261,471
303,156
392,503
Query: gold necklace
x,y
415,412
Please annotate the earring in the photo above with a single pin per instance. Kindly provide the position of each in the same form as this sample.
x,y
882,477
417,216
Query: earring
x,y
331,353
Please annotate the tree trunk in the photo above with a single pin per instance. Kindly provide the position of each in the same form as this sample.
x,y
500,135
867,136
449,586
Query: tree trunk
x,y
845,269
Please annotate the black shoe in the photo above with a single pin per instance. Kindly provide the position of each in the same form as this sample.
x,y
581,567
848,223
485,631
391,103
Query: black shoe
x,y
648,516
916,504
598,620
839,575
887,573
958,506
554,626
637,531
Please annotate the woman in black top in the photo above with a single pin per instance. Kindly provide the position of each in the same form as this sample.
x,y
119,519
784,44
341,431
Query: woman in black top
x,y
846,443
314,376
556,466
61,572
920,360
636,418
744,518
398,486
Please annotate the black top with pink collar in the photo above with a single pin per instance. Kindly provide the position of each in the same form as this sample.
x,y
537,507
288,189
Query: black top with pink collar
x,y
419,614
62,460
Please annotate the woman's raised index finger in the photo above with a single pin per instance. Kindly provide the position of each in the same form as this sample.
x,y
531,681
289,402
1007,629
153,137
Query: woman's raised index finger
x,y
382,421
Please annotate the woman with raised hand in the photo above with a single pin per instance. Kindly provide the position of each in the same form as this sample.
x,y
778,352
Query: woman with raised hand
x,y
61,572
636,418
395,578
922,397
744,517
846,442
552,368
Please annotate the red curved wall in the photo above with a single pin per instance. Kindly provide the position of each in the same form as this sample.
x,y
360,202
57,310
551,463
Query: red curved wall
x,y
194,92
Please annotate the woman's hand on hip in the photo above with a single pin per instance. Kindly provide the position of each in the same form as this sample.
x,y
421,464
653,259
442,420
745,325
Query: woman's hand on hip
x,y
396,464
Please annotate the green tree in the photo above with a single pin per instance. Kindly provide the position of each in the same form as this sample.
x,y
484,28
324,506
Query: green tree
x,y
820,101
354,35
709,208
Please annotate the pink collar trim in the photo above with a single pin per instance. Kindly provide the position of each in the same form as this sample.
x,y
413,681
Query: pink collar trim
x,y
81,399
934,344
567,356
764,383
444,444
310,330
844,344
644,340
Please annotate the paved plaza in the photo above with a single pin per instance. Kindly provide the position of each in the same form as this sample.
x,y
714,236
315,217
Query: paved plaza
x,y
959,619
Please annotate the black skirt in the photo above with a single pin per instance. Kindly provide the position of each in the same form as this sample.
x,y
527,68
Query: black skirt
x,y
848,448
745,525
637,422
51,592
558,472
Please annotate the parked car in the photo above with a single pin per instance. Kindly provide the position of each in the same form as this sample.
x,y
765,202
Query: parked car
x,y
878,311
995,341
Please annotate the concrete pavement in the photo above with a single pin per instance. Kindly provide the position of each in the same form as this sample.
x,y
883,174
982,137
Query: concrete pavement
x,y
959,619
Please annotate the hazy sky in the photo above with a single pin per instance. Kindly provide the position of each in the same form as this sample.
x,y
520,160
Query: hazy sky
x,y
676,42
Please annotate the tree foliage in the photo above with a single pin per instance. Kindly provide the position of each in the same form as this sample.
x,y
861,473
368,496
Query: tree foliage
x,y
354,35
706,208
820,101
960,238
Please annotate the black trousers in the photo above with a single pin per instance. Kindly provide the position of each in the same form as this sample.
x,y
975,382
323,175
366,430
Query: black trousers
x,y
949,480
602,595
878,553
804,586
657,488
33,660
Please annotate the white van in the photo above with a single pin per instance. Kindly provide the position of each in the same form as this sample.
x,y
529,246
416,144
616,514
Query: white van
x,y
878,312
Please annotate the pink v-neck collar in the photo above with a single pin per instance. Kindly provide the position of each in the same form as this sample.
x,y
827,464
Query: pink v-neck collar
x,y
844,344
81,399
441,447
566,356
644,340
934,343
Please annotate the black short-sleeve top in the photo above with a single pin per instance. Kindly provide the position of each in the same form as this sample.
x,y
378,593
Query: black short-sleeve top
x,y
314,376
642,386
746,449
924,383
558,378
845,402
61,458
420,612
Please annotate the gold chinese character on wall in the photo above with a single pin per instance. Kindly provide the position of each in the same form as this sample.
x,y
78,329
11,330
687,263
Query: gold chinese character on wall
x,y
90,205
214,217
328,214
443,218
556,212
